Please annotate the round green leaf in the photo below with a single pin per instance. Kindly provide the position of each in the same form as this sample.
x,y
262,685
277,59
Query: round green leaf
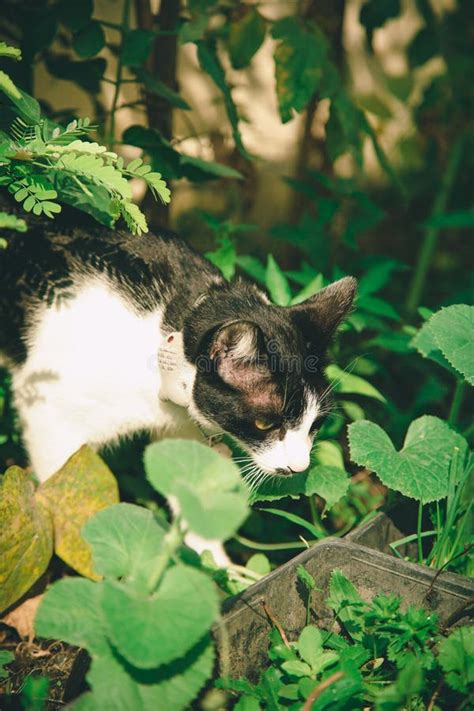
x,y
453,331
71,611
421,469
330,483
210,492
125,541
89,40
26,536
456,656
245,38
149,631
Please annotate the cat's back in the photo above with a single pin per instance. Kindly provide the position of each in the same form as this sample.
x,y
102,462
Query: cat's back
x,y
53,264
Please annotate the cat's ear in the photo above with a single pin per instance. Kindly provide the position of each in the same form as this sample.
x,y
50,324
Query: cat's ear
x,y
320,315
238,353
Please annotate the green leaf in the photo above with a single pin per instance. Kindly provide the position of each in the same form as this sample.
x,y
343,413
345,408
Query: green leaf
x,y
296,668
155,86
315,285
460,219
211,168
8,87
210,63
346,603
425,343
277,283
453,331
456,656
134,217
179,683
401,693
125,540
420,469
328,453
70,611
247,703
259,563
306,578
5,658
27,107
299,63
310,647
224,258
136,46
8,51
12,222
330,483
376,306
245,37
26,536
89,40
149,631
344,382
377,277
294,518
209,489
83,486
253,267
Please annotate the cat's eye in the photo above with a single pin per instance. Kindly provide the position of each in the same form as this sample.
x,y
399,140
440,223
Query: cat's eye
x,y
264,425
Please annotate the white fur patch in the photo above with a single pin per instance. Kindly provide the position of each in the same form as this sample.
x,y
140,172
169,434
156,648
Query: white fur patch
x,y
293,451
91,376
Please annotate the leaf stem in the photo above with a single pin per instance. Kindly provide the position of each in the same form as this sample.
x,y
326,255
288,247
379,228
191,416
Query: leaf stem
x,y
271,546
118,75
430,238
456,403
171,541
419,532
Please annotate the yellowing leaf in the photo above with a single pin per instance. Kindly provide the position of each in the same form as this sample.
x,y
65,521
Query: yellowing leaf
x,y
83,486
26,536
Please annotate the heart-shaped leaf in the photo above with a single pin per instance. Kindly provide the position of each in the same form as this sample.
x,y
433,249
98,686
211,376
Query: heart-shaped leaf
x,y
149,631
71,611
26,536
453,331
83,486
211,494
125,541
420,469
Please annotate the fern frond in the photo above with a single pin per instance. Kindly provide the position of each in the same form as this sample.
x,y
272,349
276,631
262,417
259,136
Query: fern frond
x,y
12,222
21,131
92,167
134,217
79,146
7,50
138,169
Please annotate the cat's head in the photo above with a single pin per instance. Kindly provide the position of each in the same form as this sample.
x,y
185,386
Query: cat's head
x,y
260,368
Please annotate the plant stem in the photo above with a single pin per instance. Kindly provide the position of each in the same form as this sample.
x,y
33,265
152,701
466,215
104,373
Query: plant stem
x,y
456,403
271,546
171,541
430,238
419,533
118,75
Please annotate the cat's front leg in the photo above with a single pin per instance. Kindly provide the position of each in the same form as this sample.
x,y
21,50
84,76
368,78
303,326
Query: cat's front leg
x,y
49,440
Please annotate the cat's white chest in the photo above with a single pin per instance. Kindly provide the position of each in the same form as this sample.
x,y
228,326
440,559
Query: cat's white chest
x,y
91,375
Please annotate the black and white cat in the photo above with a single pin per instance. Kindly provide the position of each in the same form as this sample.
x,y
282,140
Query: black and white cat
x,y
107,334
